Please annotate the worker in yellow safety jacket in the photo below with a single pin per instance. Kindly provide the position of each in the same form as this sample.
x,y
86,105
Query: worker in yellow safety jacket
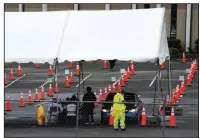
x,y
118,110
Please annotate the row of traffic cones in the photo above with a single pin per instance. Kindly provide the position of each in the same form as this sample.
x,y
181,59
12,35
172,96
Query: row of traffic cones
x,y
178,93
190,76
121,83
36,97
12,76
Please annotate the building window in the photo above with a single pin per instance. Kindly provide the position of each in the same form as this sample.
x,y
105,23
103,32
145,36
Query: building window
x,y
173,20
146,6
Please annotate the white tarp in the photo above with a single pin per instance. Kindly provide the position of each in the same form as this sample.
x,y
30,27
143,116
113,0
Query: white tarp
x,y
33,36
138,35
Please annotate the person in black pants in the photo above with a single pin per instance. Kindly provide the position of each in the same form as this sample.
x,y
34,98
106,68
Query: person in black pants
x,y
88,107
112,64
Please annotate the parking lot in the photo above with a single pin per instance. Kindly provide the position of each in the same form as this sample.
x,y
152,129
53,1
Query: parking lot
x,y
187,125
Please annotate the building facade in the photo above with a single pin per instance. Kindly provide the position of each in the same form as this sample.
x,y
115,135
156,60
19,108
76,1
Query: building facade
x,y
182,20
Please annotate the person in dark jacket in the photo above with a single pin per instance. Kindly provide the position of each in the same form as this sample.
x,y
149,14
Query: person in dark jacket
x,y
112,64
88,107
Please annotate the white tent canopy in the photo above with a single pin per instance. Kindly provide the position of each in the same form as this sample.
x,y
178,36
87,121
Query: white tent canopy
x,y
138,35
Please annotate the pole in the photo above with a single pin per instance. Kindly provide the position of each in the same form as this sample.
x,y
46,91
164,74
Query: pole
x,y
158,86
78,102
169,81
81,73
163,124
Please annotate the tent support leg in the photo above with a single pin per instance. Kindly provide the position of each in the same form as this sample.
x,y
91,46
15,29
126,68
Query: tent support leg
x,y
78,102
169,80
157,87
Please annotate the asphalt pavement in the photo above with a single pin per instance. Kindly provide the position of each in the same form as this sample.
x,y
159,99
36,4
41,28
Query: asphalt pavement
x,y
187,125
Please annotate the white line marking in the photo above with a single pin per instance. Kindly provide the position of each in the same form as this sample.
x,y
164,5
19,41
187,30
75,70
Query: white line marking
x,y
45,83
153,80
41,103
84,80
15,81
118,79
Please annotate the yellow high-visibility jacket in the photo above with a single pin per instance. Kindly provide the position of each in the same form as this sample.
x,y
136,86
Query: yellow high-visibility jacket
x,y
40,115
119,107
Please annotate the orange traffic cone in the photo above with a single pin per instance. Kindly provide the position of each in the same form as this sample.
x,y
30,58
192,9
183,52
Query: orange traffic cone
x,y
71,79
143,118
182,90
5,81
190,77
109,89
122,82
119,87
188,83
177,93
111,118
67,82
21,102
19,71
70,65
113,88
100,98
50,71
105,65
125,77
183,58
128,74
8,105
173,98
36,98
105,93
172,122
131,64
50,93
77,70
30,98
12,77
162,66
42,94
193,70
37,65
132,70
56,89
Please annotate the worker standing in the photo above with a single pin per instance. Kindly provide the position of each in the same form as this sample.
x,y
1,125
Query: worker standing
x,y
112,64
118,111
88,106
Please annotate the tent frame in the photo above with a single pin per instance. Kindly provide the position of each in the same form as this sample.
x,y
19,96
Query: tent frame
x,y
158,86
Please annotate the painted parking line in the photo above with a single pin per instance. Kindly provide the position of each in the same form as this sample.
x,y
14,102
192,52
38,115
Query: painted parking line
x,y
15,81
45,83
41,103
84,80
118,79
153,80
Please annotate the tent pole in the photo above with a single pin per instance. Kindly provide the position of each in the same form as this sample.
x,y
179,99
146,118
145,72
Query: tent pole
x,y
169,79
158,77
156,85
78,102
56,78
81,73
